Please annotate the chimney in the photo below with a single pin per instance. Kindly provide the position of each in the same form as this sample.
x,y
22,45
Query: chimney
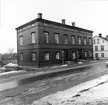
x,y
40,15
100,35
73,24
63,21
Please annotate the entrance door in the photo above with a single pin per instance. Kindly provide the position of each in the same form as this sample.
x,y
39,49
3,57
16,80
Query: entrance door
x,y
80,53
65,55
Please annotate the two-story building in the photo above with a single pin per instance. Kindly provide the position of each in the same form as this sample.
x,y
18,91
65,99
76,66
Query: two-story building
x,y
42,42
100,47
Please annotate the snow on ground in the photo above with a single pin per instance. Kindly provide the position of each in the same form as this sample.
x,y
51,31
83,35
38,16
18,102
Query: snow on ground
x,y
88,93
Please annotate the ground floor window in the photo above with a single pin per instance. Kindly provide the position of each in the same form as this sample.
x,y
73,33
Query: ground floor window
x,y
90,53
73,55
96,55
33,56
57,55
85,53
47,56
21,56
102,54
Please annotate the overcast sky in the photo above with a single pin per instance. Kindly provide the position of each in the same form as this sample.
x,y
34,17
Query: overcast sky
x,y
89,14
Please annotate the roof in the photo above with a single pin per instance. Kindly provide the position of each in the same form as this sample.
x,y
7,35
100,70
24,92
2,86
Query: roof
x,y
104,38
55,23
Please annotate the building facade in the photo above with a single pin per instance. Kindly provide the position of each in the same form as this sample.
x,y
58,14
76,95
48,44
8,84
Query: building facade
x,y
100,47
41,42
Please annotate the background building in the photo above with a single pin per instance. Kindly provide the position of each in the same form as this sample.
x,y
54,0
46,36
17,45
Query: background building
x,y
41,42
100,47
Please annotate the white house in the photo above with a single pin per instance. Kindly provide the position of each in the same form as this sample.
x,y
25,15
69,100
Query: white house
x,y
100,47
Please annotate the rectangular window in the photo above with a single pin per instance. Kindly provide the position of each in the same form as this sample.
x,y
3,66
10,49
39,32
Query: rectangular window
x,y
79,40
65,39
73,55
33,37
56,38
85,41
57,55
102,54
85,53
97,41
46,37
21,40
90,41
21,56
73,39
90,53
96,55
33,56
102,48
46,56
96,48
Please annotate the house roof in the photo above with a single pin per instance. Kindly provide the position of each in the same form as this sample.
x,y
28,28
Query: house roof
x,y
55,23
104,38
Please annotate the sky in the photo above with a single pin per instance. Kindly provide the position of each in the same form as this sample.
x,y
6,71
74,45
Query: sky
x,y
88,14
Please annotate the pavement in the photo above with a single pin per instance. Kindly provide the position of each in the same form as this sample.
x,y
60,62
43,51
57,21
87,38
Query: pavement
x,y
45,71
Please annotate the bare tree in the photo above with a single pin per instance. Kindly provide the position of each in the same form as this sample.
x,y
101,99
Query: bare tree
x,y
10,51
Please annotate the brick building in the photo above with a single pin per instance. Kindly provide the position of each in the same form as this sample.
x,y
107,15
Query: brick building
x,y
42,42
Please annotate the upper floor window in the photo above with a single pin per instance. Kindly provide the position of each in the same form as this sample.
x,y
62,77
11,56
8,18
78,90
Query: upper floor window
x,y
21,40
56,38
65,39
90,41
33,56
96,48
21,56
33,37
94,41
46,37
57,55
47,56
79,40
97,41
102,48
73,39
85,41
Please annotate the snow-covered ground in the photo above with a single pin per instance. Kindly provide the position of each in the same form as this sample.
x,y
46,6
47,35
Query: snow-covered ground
x,y
89,93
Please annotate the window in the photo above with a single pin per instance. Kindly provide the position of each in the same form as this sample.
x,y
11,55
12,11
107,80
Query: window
x,y
85,41
57,55
102,48
56,38
21,40
65,39
21,56
73,39
90,41
33,37
73,55
85,53
102,54
96,55
90,53
93,41
79,40
97,41
96,48
33,56
47,56
46,37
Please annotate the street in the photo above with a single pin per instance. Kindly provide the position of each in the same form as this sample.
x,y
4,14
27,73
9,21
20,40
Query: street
x,y
25,91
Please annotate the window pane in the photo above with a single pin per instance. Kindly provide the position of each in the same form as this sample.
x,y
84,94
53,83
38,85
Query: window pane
x,y
79,40
73,55
102,54
46,37
102,48
34,56
85,41
21,40
46,56
73,39
65,39
90,41
57,55
85,53
56,38
21,56
33,37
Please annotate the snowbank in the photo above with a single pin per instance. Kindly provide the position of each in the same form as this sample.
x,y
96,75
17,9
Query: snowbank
x,y
88,93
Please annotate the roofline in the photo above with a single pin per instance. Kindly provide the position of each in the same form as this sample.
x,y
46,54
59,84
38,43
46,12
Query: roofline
x,y
52,22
